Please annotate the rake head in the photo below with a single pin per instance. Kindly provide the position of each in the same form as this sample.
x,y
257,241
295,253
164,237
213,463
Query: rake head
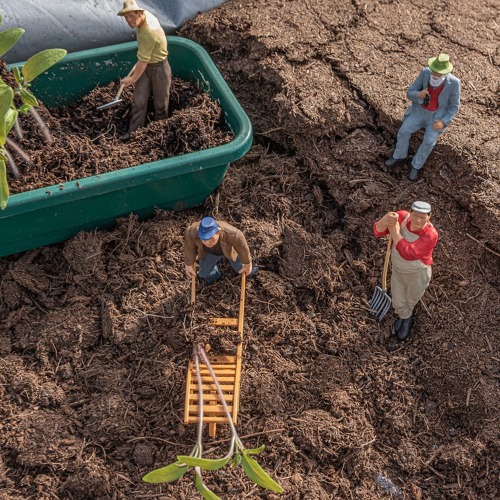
x,y
110,104
380,303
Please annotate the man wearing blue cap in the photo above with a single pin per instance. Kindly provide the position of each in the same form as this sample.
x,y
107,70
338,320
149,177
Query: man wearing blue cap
x,y
413,240
212,240
435,97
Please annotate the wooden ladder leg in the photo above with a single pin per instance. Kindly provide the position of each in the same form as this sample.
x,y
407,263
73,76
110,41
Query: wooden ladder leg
x,y
212,429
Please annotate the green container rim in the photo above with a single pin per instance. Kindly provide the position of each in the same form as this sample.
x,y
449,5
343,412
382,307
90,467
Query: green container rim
x,y
143,173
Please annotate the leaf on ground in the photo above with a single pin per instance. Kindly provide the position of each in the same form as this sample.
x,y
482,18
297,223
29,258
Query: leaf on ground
x,y
257,474
166,474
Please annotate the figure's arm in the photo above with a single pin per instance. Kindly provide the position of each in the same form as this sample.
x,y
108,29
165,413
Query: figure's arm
x,y
140,67
241,246
418,249
381,227
417,90
451,109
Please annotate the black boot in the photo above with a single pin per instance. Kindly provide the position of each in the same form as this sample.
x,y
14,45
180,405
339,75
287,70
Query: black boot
x,y
405,329
396,326
392,162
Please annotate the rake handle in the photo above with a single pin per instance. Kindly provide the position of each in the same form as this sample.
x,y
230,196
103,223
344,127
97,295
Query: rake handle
x,y
193,289
386,263
122,86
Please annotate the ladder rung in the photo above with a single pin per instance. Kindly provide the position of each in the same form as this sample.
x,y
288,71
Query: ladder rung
x,y
206,418
224,321
210,409
222,359
211,387
210,397
221,371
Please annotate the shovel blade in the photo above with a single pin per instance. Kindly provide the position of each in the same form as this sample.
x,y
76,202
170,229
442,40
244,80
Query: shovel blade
x,y
110,104
380,303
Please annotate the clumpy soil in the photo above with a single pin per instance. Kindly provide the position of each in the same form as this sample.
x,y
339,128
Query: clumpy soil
x,y
84,140
96,332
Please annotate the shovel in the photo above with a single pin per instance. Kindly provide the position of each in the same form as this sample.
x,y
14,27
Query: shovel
x,y
381,302
117,99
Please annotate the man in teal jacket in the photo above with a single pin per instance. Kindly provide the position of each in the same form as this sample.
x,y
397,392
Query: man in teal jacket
x,y
435,97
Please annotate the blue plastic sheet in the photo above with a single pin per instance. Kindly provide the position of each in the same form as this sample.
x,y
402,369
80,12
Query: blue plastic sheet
x,y
77,25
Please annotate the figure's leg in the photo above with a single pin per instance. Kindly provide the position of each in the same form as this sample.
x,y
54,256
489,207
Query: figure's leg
x,y
416,286
161,80
411,124
425,149
140,103
209,270
398,295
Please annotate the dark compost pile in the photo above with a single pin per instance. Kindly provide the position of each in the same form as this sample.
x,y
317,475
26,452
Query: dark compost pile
x,y
95,333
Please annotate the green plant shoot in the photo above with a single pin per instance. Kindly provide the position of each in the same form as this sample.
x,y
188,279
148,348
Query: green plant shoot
x,y
34,66
237,451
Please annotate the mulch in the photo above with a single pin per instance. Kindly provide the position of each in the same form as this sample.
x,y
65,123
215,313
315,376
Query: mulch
x,y
96,332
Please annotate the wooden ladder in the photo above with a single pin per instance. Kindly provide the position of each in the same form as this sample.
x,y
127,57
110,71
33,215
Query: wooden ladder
x,y
227,369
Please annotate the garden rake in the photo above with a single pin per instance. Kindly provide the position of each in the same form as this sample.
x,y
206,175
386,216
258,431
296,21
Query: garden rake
x,y
381,302
117,99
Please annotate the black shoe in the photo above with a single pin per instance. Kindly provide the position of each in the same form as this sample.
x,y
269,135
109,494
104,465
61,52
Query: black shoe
x,y
413,174
392,162
125,136
396,326
405,329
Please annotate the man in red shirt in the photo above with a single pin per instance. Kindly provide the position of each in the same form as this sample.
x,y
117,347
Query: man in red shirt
x,y
413,240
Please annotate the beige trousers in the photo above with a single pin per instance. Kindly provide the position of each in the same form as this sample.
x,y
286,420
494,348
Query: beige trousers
x,y
407,289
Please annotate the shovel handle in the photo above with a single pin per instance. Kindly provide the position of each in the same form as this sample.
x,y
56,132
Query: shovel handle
x,y
386,263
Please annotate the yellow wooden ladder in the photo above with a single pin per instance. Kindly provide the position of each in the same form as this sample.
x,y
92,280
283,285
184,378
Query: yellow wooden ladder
x,y
227,369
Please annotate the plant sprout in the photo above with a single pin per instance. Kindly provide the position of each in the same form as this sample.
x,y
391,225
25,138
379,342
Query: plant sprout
x,y
33,67
237,451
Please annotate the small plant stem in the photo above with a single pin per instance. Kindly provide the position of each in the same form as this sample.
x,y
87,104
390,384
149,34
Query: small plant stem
x,y
41,124
18,129
201,351
20,151
12,165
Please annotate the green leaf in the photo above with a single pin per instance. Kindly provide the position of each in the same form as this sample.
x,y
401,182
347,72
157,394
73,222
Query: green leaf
x,y
17,75
6,98
236,460
41,62
2,156
28,98
4,187
1,20
24,109
166,474
10,120
203,463
257,474
204,491
255,451
8,38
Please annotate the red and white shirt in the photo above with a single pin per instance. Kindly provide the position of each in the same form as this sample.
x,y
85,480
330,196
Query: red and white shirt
x,y
420,249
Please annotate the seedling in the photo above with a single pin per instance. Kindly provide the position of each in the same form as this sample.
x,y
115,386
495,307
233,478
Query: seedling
x,y
237,453
9,112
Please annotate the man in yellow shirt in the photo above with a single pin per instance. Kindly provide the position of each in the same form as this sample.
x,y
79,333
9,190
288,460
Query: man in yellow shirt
x,y
152,73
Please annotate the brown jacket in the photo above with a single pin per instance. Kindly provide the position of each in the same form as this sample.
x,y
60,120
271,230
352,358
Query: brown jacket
x,y
232,243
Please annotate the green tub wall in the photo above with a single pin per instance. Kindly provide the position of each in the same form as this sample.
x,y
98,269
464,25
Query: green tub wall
x,y
56,213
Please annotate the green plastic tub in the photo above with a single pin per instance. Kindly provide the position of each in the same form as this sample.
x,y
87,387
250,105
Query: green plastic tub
x,y
58,212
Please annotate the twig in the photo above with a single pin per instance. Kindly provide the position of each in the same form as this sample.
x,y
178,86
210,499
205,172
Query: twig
x,y
482,244
12,165
18,150
41,124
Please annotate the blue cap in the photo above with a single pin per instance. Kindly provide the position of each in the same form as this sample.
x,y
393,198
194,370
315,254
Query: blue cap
x,y
207,228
